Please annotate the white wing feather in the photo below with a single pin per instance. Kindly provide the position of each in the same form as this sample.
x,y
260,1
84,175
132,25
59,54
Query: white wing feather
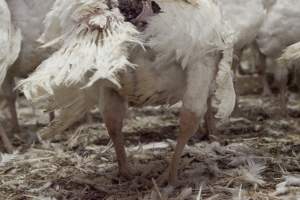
x,y
94,41
10,41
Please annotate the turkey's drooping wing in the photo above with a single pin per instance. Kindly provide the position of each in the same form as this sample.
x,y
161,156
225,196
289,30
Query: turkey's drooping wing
x,y
10,41
93,42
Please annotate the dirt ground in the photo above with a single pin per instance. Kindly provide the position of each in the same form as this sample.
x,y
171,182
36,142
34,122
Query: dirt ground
x,y
254,155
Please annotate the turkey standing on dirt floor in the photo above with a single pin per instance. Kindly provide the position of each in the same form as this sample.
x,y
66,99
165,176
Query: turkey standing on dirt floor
x,y
280,29
10,44
20,32
187,56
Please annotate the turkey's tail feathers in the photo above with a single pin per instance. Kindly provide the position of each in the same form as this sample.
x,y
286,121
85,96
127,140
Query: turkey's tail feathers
x,y
93,47
10,41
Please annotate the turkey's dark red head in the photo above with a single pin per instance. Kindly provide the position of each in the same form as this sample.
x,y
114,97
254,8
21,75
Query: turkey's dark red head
x,y
138,11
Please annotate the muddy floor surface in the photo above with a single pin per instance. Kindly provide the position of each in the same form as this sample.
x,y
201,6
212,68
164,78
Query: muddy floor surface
x,y
253,155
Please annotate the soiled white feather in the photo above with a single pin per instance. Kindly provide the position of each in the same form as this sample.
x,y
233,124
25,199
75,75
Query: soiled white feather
x,y
6,158
291,55
292,180
10,40
284,187
225,93
251,173
94,48
193,43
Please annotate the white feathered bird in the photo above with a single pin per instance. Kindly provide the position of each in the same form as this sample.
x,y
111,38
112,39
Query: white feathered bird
x,y
246,18
186,56
10,43
280,29
21,23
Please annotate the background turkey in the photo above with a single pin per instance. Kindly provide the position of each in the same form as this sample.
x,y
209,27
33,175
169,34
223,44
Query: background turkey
x,y
23,24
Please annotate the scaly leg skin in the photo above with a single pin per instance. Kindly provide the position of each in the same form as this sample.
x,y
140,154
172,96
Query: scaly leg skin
x,y
145,14
6,142
8,88
236,68
189,123
113,108
283,95
209,119
194,106
209,129
261,68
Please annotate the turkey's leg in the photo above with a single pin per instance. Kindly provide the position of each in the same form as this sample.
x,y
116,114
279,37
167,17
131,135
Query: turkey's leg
x,y
113,108
6,142
189,123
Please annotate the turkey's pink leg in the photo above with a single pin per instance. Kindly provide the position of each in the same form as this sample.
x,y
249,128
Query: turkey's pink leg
x,y
11,97
113,109
189,123
210,125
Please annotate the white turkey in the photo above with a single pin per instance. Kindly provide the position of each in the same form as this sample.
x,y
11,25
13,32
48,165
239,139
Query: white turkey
x,y
182,52
280,29
19,31
10,43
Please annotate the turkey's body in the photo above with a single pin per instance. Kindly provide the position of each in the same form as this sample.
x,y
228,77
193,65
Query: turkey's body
x,y
27,16
101,62
245,17
280,29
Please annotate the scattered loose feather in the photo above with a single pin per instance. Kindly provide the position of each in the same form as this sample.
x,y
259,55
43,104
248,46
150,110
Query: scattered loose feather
x,y
7,158
251,173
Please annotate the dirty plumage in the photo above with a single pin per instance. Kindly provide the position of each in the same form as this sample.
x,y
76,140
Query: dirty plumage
x,y
291,55
103,60
95,42
280,28
10,41
245,17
